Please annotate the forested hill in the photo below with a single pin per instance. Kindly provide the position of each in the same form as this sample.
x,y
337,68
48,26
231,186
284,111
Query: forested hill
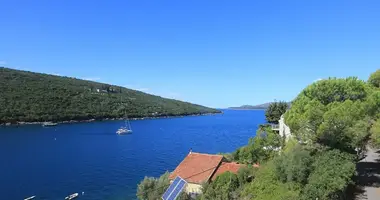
x,y
35,97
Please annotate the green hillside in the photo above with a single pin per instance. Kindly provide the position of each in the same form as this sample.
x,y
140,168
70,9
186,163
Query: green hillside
x,y
29,97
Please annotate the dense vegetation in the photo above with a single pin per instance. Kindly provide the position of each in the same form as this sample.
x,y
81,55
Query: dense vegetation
x,y
260,148
27,96
337,113
374,79
227,185
332,122
154,188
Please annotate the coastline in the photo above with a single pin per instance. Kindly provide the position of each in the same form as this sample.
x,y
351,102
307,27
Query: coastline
x,y
107,119
245,108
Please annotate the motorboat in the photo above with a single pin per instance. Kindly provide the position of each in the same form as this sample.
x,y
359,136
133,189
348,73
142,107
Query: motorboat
x,y
72,196
30,198
49,124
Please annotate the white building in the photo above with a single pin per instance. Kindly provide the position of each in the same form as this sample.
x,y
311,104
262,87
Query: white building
x,y
283,129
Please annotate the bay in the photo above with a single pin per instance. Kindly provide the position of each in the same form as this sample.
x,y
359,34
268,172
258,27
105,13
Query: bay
x,y
54,162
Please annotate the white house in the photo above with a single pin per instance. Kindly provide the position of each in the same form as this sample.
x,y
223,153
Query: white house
x,y
283,129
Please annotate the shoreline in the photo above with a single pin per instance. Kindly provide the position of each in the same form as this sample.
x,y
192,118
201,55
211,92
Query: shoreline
x,y
105,119
245,108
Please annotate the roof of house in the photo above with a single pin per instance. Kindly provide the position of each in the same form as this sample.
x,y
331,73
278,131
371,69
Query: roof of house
x,y
225,166
197,167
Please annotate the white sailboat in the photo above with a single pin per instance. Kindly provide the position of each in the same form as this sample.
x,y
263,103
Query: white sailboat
x,y
126,129
123,130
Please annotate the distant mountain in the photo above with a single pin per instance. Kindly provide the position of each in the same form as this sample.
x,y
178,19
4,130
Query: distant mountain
x,y
263,106
35,97
250,107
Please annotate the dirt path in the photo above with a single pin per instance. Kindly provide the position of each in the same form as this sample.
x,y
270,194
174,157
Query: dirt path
x,y
368,179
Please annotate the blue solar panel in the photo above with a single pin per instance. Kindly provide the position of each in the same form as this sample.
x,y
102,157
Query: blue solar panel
x,y
177,190
171,188
174,189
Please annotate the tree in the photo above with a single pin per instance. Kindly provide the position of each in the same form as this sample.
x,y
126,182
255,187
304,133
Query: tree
x,y
334,112
305,111
222,188
275,110
294,166
375,133
359,134
266,186
245,174
374,79
339,130
332,174
336,89
333,117
152,188
372,105
263,146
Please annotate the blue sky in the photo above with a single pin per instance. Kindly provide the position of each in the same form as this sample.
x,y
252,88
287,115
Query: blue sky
x,y
215,53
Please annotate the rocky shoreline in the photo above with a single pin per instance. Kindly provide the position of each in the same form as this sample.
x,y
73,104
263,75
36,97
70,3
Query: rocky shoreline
x,y
105,119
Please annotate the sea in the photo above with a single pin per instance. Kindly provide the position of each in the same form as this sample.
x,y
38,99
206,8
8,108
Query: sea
x,y
90,158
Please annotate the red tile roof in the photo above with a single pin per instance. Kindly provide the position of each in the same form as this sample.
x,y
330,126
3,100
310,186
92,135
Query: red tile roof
x,y
197,167
225,166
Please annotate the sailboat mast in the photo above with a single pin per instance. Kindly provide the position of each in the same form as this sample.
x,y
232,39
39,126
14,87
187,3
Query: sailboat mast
x,y
126,120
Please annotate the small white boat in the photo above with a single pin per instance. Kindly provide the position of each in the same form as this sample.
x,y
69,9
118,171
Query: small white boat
x,y
49,124
72,196
29,198
123,130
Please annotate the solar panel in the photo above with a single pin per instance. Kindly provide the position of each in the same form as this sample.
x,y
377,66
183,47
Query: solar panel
x,y
174,189
171,188
177,190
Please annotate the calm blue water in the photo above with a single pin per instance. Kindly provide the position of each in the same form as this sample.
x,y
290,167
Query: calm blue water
x,y
54,162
